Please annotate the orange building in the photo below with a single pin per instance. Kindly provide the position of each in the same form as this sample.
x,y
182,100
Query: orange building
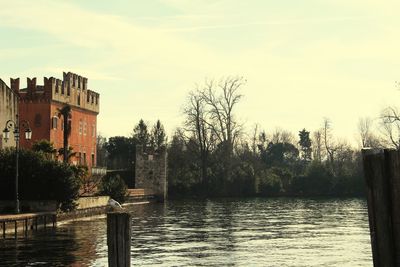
x,y
40,105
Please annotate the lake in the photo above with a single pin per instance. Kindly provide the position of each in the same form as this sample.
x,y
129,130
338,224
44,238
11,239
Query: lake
x,y
218,232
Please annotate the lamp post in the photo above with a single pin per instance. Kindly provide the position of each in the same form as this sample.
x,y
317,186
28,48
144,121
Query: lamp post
x,y
17,124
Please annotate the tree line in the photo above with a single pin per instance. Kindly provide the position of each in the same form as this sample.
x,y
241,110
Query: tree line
x,y
210,154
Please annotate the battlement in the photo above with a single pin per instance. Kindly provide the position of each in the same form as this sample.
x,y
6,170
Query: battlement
x,y
72,90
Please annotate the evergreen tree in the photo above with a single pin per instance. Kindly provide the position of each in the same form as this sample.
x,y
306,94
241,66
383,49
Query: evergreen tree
x,y
158,136
141,135
305,145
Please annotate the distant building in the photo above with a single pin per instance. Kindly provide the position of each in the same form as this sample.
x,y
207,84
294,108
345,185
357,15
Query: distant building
x,y
8,110
40,105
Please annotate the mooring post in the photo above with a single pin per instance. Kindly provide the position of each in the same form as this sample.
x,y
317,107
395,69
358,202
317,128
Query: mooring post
x,y
15,229
54,220
382,176
26,227
119,239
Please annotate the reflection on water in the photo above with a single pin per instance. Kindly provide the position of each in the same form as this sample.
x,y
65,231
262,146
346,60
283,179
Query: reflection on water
x,y
227,232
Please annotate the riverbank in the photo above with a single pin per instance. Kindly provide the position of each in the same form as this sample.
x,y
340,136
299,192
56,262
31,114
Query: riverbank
x,y
16,225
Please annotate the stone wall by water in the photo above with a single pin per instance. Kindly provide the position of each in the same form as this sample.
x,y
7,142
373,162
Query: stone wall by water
x,y
151,171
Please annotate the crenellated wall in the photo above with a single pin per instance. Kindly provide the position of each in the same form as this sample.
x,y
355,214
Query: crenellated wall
x,y
151,172
73,89
40,105
8,110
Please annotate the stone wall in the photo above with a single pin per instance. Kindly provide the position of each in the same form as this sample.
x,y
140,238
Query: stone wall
x,y
8,110
92,202
151,172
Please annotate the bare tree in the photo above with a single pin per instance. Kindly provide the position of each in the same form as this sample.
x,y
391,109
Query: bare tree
x,y
364,128
330,147
196,123
317,145
368,139
390,122
282,136
221,100
254,139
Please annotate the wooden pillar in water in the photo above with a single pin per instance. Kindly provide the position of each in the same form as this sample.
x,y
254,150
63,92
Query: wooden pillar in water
x,y
4,230
382,175
119,239
15,229
26,227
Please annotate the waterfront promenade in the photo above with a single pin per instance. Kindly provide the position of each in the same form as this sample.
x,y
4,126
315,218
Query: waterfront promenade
x,y
14,223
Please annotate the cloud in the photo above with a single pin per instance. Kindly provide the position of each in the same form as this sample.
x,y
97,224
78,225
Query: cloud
x,y
293,61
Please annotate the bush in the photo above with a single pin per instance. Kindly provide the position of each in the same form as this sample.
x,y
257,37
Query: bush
x,y
269,183
115,187
317,181
39,179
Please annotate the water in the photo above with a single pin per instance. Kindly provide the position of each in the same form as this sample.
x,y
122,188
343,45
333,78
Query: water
x,y
225,232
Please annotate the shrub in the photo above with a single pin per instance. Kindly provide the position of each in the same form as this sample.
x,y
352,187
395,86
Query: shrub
x,y
39,178
115,187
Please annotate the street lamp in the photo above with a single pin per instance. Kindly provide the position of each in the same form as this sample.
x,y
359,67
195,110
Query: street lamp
x,y
17,124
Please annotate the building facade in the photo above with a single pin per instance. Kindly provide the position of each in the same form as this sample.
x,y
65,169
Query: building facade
x,y
40,105
8,110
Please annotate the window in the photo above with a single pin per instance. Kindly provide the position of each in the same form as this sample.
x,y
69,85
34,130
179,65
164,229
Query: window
x,y
54,122
80,127
79,99
84,128
38,120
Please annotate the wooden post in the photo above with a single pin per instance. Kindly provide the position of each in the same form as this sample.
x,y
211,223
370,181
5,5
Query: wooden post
x,y
119,239
26,227
15,229
4,230
382,175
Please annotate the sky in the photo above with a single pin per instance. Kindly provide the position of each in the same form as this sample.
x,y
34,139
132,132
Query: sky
x,y
303,60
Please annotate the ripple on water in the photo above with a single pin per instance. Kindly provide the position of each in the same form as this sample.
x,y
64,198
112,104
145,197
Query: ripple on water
x,y
224,232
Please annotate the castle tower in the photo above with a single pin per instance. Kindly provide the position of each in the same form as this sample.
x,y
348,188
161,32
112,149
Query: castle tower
x,y
40,105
